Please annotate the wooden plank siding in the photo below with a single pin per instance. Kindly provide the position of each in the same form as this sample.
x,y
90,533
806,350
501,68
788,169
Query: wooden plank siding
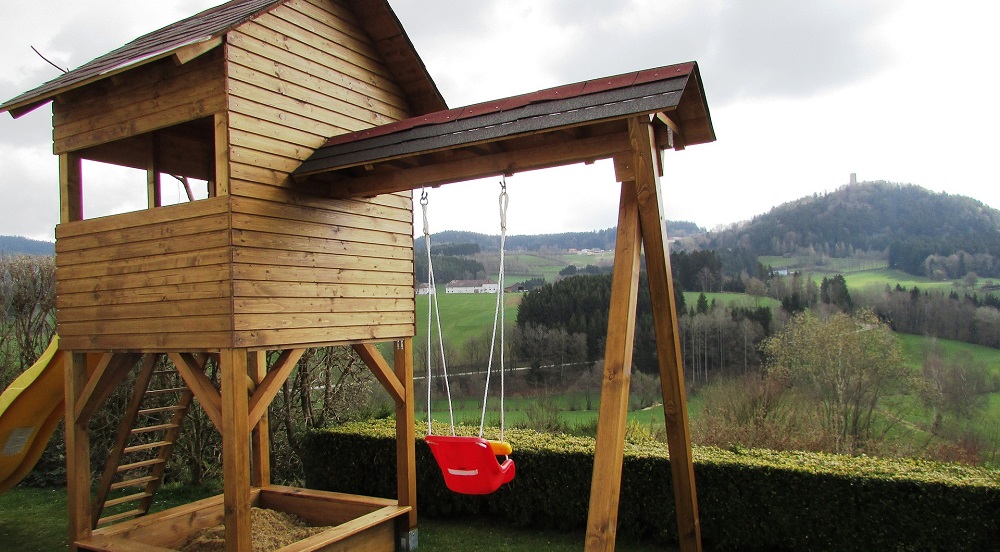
x,y
155,96
151,280
307,269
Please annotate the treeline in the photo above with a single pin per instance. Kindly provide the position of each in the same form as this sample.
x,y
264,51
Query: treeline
x,y
597,239
448,268
715,338
968,318
18,245
918,230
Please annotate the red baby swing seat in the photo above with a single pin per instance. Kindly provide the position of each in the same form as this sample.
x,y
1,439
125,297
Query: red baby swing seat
x,y
469,464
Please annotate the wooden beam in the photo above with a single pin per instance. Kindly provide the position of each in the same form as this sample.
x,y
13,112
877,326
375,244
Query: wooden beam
x,y
235,449
194,376
70,188
77,453
221,179
153,195
509,162
383,372
260,440
668,348
406,470
271,384
110,371
191,51
605,487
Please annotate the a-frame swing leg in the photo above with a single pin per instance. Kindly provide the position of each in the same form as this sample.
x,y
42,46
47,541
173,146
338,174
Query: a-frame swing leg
x,y
641,219
668,348
605,487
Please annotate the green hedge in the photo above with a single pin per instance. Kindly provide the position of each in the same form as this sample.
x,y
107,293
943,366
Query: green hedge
x,y
748,499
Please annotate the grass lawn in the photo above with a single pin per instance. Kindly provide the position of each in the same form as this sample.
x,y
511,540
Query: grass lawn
x,y
465,315
34,520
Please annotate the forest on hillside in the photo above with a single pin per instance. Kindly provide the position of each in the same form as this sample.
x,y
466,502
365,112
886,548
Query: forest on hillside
x,y
11,245
937,235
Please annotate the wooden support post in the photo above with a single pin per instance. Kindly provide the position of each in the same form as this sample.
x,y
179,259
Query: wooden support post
x,y
153,193
70,188
406,470
221,181
260,440
235,449
77,452
609,450
668,349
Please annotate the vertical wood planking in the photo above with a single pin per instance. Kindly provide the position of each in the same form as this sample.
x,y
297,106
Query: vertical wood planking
x,y
605,487
235,449
77,452
654,240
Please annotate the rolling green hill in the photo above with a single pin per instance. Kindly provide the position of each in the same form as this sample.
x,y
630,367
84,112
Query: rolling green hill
x,y
920,232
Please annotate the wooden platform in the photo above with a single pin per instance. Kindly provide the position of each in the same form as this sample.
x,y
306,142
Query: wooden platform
x,y
357,522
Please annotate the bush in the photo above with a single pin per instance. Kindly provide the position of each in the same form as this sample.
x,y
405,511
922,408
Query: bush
x,y
750,499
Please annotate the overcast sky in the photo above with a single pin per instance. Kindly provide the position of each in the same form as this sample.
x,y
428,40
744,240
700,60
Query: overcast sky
x,y
801,94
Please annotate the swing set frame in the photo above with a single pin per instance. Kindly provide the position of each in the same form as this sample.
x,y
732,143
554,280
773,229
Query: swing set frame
x,y
630,119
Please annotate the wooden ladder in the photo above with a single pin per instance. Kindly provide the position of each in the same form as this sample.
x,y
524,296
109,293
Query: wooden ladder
x,y
139,455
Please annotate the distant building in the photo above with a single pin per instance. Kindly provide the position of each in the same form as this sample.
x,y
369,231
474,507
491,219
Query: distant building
x,y
471,286
425,289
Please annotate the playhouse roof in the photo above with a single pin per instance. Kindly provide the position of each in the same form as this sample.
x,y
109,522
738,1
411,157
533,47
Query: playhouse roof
x,y
206,30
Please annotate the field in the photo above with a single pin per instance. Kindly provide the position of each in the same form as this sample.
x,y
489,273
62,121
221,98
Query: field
x,y
465,315
859,273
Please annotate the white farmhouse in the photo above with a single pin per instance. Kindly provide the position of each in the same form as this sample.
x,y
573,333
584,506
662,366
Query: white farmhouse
x,y
471,286
425,289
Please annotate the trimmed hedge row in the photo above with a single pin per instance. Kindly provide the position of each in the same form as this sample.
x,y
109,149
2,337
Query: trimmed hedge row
x,y
748,499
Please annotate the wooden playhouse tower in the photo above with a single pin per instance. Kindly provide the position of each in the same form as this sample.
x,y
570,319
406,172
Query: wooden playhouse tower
x,y
312,121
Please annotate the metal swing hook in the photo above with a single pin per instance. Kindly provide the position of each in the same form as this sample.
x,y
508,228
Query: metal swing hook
x,y
503,204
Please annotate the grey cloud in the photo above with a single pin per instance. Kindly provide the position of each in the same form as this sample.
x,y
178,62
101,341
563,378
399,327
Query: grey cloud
x,y
779,48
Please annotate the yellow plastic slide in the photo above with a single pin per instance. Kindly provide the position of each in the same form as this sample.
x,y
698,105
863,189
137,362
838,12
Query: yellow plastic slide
x,y
29,411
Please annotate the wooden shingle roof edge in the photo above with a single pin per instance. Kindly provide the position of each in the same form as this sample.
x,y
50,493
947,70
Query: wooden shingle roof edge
x,y
649,91
204,31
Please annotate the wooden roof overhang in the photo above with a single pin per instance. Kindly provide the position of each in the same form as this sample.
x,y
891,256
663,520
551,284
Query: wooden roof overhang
x,y
203,32
581,122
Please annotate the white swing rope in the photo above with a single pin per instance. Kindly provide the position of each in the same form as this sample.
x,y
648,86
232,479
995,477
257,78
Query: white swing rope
x,y
498,316
432,307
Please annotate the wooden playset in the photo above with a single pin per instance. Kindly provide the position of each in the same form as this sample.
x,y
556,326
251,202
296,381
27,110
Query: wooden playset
x,y
312,121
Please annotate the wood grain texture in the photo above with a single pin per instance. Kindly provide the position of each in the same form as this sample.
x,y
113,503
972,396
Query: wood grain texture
x,y
605,488
654,241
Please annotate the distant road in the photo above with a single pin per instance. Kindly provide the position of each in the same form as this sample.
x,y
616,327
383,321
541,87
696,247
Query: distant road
x,y
515,369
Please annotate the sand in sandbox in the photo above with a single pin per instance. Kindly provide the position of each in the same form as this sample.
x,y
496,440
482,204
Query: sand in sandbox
x,y
269,529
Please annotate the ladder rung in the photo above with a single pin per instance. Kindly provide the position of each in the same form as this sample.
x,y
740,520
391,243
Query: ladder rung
x,y
166,390
149,429
143,464
159,409
133,482
146,446
164,372
124,499
123,515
